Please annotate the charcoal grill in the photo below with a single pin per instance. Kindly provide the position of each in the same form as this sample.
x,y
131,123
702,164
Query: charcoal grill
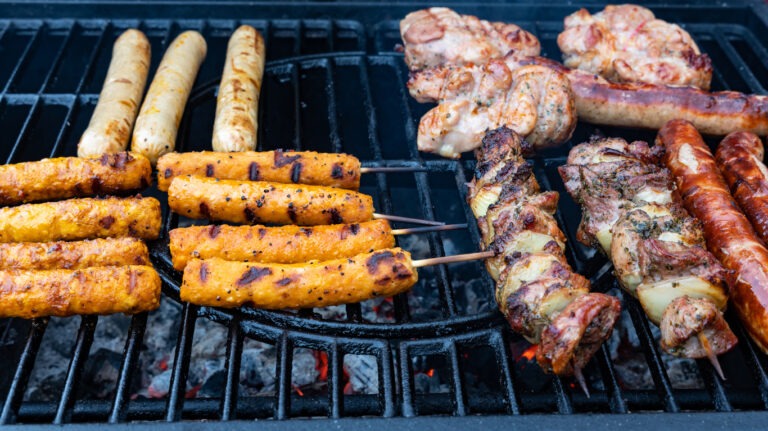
x,y
333,83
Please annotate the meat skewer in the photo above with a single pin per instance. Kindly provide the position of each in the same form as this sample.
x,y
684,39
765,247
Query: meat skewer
x,y
632,212
285,244
383,273
729,234
537,291
289,167
68,177
250,202
73,255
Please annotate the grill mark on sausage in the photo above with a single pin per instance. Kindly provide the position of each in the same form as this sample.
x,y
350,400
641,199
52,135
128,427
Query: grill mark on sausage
x,y
350,229
168,172
296,172
253,171
337,172
204,210
376,259
250,215
307,231
209,170
335,216
285,281
106,222
282,160
262,232
292,212
214,231
253,274
204,272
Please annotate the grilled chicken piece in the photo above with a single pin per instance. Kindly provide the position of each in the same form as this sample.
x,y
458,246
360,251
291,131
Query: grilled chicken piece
x,y
632,211
536,102
626,43
535,284
438,36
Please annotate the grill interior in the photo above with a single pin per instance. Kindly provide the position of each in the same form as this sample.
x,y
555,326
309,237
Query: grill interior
x,y
335,85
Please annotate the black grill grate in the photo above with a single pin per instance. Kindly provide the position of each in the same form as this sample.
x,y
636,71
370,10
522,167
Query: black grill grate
x,y
345,93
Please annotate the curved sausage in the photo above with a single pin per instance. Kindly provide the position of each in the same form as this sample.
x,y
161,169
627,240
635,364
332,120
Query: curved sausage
x,y
250,202
740,159
68,177
221,283
160,115
237,106
297,167
112,121
278,244
729,234
73,254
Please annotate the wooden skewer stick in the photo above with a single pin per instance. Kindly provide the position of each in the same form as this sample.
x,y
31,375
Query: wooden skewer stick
x,y
413,230
580,379
452,259
391,169
377,216
710,354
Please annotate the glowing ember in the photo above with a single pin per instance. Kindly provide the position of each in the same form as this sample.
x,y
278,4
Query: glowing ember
x,y
530,353
321,359
298,390
430,373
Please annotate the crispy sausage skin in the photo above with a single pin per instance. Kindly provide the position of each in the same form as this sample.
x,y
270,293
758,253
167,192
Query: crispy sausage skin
x,y
68,177
84,218
220,283
236,123
297,167
73,255
64,292
729,235
740,159
251,202
279,244
110,127
160,114
650,106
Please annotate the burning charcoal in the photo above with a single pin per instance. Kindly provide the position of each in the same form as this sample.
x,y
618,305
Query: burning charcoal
x,y
214,385
160,385
363,374
257,368
99,378
334,312
304,370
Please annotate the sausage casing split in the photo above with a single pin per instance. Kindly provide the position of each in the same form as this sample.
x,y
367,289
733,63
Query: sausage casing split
x,y
65,292
740,159
728,233
110,127
160,114
279,244
73,255
236,123
77,219
250,202
68,177
221,283
297,167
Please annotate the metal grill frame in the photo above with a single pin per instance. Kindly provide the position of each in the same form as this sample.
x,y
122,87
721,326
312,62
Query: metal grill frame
x,y
395,343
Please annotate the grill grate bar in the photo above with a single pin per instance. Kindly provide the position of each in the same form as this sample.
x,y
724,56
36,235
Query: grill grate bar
x,y
66,124
333,115
499,343
459,394
33,112
234,354
564,405
283,377
335,385
23,370
406,382
715,386
616,398
386,379
79,356
734,57
751,352
296,84
176,392
58,57
97,47
131,352
24,57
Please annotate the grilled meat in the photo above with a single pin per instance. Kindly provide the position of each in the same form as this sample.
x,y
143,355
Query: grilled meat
x,y
626,43
73,254
632,211
439,36
537,291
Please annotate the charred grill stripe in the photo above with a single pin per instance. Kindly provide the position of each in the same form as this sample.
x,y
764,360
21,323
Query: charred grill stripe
x,y
214,231
253,171
205,211
253,274
292,212
336,217
209,170
281,159
204,272
337,172
376,259
168,172
284,281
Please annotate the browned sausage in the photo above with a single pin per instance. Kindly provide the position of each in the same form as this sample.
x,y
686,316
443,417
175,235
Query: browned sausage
x,y
68,177
73,255
729,234
278,244
221,283
251,202
65,292
740,159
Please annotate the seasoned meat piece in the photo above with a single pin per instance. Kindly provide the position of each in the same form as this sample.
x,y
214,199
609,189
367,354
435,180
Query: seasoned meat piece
x,y
686,319
439,36
535,102
73,254
626,43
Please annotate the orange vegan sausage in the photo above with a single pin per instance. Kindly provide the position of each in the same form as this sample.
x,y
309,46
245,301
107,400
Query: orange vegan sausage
x,y
220,283
298,167
279,244
251,202
73,255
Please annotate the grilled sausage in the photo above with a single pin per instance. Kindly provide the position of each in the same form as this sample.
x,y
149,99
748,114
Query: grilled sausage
x,y
64,292
740,159
220,283
73,255
237,106
298,167
68,177
250,202
650,106
84,218
160,115
729,235
281,244
110,127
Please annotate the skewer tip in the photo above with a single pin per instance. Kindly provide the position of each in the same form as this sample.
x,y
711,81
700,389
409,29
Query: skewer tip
x,y
452,259
711,355
577,374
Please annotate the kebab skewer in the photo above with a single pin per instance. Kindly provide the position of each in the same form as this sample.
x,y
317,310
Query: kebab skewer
x,y
633,213
537,291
